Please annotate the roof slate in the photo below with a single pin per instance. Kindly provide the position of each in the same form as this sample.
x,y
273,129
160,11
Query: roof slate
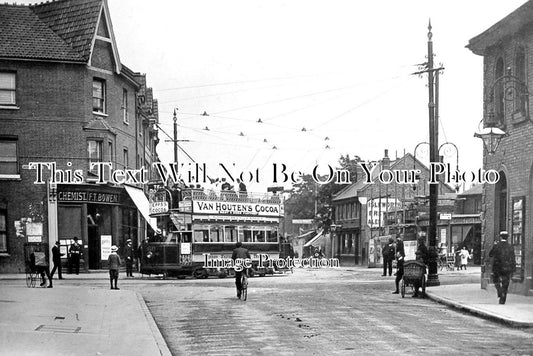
x,y
73,20
61,30
23,35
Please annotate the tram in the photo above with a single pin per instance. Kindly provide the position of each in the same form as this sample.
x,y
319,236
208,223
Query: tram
x,y
198,226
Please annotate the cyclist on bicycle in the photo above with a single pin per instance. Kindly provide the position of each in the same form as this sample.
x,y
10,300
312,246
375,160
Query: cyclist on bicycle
x,y
239,253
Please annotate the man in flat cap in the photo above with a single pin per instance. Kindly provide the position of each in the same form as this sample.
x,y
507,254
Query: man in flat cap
x,y
503,265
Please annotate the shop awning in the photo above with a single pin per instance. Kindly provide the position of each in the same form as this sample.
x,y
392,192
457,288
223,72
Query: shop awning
x,y
315,240
141,202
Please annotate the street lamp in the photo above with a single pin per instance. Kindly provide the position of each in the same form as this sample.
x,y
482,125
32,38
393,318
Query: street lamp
x,y
491,137
506,88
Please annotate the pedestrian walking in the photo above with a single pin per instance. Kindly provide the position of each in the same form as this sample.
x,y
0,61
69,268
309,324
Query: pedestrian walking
x,y
75,254
388,257
242,254
129,256
114,264
465,256
503,265
56,258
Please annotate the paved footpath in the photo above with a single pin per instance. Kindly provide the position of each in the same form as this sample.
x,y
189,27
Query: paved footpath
x,y
76,321
517,311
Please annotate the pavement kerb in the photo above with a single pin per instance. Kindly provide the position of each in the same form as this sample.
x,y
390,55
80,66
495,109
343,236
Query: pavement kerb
x,y
476,311
161,344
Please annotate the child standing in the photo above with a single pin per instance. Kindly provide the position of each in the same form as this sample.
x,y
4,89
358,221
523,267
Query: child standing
x,y
465,256
114,264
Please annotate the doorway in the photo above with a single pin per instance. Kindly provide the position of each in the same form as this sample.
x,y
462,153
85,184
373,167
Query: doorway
x,y
94,247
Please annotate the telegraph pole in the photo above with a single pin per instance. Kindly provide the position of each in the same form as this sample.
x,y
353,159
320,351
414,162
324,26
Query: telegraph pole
x,y
433,277
175,119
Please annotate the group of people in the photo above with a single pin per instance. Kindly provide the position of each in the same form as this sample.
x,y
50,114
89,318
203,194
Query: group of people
x,y
40,261
502,254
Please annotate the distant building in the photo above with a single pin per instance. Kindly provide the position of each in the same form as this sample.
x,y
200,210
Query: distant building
x,y
367,214
66,98
507,50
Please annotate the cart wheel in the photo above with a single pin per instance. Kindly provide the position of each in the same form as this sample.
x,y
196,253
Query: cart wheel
x,y
423,284
403,288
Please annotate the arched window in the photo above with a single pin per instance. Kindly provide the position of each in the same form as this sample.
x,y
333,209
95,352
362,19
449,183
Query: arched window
x,y
520,73
499,100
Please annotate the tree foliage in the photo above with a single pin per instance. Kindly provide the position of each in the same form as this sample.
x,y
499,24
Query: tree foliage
x,y
304,196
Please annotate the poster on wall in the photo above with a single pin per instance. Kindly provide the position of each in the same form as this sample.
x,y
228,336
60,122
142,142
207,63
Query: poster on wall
x,y
105,247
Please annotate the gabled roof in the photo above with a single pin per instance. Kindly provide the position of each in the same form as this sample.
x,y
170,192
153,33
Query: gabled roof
x,y
509,25
23,35
60,30
74,21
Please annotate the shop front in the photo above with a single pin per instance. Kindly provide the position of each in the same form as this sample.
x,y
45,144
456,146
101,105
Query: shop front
x,y
99,216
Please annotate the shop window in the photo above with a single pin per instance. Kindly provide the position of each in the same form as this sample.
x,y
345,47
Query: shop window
x,y
3,230
8,157
8,88
99,96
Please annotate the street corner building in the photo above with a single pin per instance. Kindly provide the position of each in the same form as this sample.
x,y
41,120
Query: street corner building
x,y
66,101
507,131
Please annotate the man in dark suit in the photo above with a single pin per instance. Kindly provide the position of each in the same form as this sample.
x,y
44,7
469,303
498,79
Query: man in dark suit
x,y
129,255
242,254
388,257
75,255
56,258
503,266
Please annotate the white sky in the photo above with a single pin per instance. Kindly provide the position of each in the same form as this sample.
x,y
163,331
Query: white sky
x,y
341,69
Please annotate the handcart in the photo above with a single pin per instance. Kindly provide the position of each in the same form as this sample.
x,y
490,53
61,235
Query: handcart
x,y
33,251
414,272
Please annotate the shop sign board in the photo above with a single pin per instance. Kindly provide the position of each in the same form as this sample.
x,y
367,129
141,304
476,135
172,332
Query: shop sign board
x,y
236,208
88,197
158,207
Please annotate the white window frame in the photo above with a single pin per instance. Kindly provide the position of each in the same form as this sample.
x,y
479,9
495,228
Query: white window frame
x,y
125,116
102,100
8,85
10,159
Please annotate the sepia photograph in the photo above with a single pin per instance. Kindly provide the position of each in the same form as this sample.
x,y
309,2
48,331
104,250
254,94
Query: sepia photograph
x,y
245,177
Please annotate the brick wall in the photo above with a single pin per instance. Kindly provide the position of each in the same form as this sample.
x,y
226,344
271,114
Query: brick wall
x,y
514,158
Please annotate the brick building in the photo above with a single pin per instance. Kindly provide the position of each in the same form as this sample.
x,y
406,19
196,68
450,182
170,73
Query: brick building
x,y
66,98
507,50
360,211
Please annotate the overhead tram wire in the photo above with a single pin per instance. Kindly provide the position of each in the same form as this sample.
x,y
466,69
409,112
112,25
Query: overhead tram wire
x,y
356,107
